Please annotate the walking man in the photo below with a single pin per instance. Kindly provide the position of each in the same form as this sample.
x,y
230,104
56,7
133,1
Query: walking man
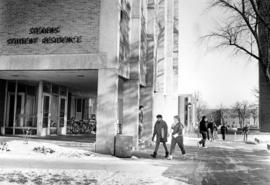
x,y
177,137
223,130
161,133
203,131
245,132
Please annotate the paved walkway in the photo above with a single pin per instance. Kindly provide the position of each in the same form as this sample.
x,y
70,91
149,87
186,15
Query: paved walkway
x,y
224,163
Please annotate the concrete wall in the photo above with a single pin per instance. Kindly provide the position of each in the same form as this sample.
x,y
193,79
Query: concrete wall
x,y
107,110
78,18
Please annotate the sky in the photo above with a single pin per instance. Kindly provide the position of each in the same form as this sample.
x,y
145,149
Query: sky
x,y
220,77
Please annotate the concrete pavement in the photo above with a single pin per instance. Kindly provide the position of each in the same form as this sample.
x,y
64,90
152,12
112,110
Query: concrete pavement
x,y
224,163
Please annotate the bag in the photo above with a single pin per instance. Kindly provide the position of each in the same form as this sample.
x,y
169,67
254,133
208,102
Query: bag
x,y
162,133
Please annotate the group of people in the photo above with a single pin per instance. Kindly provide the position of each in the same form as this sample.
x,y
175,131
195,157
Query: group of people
x,y
160,135
207,129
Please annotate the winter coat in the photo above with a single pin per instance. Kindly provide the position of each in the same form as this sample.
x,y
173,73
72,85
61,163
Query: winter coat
x,y
161,131
203,126
177,129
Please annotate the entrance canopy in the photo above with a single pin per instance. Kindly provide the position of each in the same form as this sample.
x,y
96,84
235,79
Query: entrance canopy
x,y
81,82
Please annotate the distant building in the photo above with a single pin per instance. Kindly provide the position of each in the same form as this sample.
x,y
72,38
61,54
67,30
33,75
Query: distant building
x,y
63,59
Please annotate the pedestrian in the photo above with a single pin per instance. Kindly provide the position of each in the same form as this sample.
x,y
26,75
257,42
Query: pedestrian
x,y
161,133
223,130
203,131
215,133
177,137
245,132
140,129
210,129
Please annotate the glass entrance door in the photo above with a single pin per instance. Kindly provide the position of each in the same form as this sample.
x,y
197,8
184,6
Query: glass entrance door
x,y
19,117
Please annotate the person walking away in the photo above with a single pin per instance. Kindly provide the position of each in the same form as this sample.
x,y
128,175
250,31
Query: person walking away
x,y
177,137
245,132
203,131
140,129
161,133
210,129
215,132
223,130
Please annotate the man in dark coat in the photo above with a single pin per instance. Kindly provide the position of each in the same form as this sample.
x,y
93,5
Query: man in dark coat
x,y
223,131
161,134
203,131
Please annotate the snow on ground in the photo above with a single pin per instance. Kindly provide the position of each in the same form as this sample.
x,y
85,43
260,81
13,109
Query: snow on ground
x,y
32,149
79,177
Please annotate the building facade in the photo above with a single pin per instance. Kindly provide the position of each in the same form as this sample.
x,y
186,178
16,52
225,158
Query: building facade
x,y
64,59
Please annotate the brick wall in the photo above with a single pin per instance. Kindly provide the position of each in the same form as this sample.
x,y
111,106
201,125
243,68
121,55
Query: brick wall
x,y
74,18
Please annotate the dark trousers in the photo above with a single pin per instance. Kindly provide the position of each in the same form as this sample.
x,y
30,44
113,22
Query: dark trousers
x,y
245,137
204,135
180,141
164,145
140,131
223,135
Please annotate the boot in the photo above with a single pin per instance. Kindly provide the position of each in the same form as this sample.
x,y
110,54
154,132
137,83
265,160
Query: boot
x,y
154,155
167,154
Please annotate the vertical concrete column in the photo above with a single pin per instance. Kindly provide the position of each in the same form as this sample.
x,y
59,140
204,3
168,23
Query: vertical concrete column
x,y
146,99
131,88
135,38
109,33
5,109
169,24
107,110
131,105
39,108
15,107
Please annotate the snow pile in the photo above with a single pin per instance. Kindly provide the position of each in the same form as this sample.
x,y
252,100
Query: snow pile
x,y
33,148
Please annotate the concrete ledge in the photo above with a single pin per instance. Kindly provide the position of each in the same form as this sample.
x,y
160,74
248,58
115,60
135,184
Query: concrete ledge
x,y
55,62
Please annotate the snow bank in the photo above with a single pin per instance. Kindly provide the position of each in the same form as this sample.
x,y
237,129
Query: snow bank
x,y
32,149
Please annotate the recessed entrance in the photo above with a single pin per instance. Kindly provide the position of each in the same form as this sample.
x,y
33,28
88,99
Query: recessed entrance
x,y
48,102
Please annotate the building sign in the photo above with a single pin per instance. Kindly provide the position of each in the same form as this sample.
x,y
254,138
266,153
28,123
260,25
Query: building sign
x,y
43,31
45,27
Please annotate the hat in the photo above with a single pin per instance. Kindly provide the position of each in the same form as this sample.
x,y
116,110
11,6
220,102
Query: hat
x,y
159,116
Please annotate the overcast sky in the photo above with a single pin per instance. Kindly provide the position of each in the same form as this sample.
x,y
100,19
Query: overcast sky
x,y
219,77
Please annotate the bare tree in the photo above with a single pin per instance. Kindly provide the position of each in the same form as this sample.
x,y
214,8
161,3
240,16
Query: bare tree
x,y
245,30
201,106
253,110
242,110
256,93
